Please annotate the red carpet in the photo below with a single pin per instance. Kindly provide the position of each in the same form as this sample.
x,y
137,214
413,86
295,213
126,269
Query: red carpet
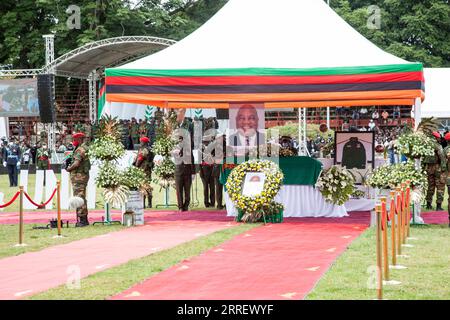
x,y
33,272
277,261
437,217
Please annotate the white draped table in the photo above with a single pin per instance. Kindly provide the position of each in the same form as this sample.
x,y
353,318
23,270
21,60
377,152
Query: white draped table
x,y
307,201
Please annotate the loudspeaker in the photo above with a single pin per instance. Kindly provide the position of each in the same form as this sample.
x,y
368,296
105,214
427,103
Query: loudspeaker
x,y
45,84
222,114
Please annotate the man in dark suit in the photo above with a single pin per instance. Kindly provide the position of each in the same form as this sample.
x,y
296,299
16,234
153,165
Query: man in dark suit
x,y
184,162
247,128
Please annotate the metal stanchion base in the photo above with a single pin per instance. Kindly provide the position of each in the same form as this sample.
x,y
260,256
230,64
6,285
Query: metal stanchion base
x,y
59,237
412,238
20,245
108,223
166,206
391,282
398,267
406,245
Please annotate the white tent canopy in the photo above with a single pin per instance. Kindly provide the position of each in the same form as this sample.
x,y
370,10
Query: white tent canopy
x,y
276,34
437,103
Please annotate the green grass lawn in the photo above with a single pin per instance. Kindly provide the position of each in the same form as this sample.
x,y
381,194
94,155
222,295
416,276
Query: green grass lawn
x,y
158,195
107,283
427,276
39,239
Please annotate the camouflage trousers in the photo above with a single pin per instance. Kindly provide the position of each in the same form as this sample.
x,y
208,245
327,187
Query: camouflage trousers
x,y
437,179
79,184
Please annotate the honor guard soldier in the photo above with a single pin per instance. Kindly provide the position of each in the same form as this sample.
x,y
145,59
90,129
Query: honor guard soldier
x,y
43,158
144,160
79,176
436,168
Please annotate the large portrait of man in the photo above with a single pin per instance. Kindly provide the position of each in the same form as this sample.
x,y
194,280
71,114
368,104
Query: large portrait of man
x,y
247,125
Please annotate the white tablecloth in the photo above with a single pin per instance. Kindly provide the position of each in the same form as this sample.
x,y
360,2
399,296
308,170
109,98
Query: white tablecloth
x,y
307,201
299,201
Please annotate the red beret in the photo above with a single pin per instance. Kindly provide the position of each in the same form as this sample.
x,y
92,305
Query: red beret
x,y
78,135
436,134
447,136
145,140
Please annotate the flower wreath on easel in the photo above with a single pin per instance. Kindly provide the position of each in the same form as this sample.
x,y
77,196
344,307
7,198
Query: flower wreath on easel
x,y
252,207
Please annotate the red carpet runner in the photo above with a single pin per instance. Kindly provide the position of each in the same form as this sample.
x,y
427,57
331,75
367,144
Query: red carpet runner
x,y
277,261
32,272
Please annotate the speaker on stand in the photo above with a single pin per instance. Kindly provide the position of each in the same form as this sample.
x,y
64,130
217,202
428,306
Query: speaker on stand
x,y
46,97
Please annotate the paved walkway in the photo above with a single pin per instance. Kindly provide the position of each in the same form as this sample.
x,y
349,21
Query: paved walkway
x,y
34,272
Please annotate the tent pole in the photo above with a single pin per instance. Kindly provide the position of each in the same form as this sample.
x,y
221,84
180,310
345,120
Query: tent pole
x,y
328,117
417,219
303,148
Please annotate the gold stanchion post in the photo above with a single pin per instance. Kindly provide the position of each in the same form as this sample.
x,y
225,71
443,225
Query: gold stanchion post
x,y
58,206
385,238
21,216
408,209
393,231
398,208
379,258
403,213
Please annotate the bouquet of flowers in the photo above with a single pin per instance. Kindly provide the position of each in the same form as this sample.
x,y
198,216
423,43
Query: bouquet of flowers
x,y
106,148
133,178
416,145
110,179
336,185
165,173
391,176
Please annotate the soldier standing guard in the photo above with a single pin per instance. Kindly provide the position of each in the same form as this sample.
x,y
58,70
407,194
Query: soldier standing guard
x,y
144,161
447,154
436,168
43,158
79,176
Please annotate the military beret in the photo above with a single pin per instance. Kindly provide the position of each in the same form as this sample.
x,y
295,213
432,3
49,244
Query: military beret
x,y
78,135
447,136
144,140
436,134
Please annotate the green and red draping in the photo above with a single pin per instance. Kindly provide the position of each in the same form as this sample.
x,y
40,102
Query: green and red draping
x,y
398,84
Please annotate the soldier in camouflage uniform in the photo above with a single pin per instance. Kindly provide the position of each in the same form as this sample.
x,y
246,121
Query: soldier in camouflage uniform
x,y
144,160
43,158
79,176
436,168
447,153
134,131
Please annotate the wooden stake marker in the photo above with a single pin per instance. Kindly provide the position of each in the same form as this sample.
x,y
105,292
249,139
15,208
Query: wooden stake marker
x,y
393,235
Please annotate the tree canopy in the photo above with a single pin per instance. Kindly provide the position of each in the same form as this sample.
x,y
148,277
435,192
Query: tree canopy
x,y
410,29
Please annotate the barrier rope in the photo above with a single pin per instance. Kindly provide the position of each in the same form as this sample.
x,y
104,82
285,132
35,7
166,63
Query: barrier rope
x,y
11,201
42,205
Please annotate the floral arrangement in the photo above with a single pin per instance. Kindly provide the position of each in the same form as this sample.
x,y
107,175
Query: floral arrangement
x,y
253,207
336,185
110,179
163,146
133,178
391,176
164,169
106,148
165,173
358,194
415,145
